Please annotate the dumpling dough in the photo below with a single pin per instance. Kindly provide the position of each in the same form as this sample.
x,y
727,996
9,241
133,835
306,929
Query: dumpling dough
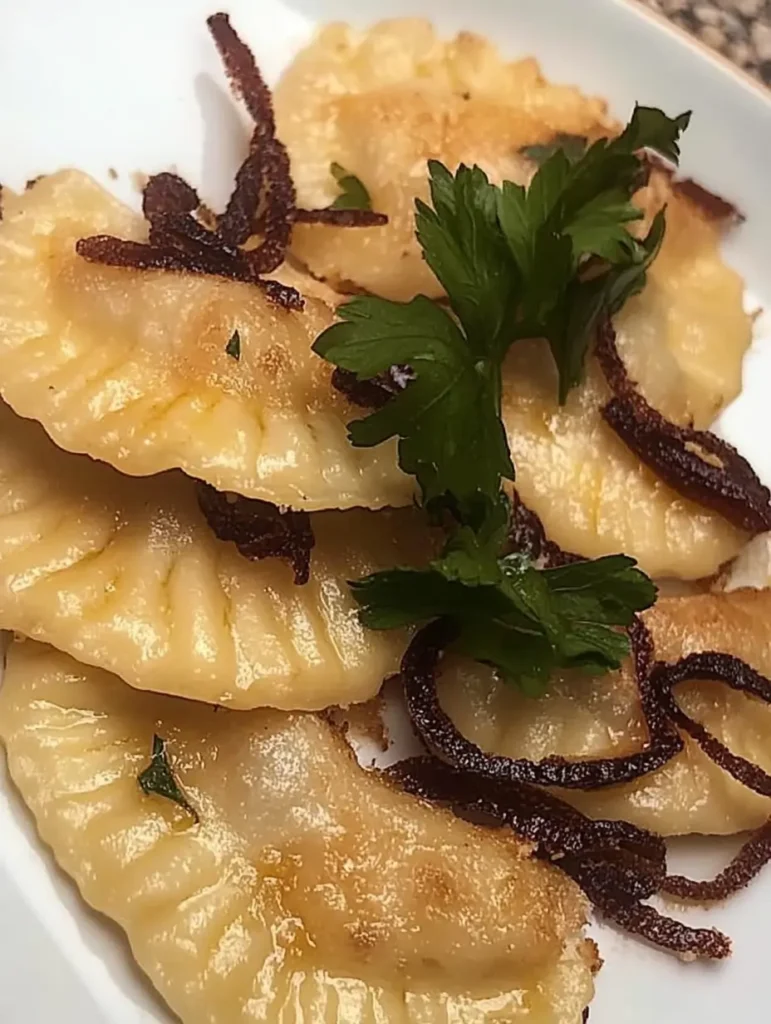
x,y
593,495
600,717
130,366
125,574
310,892
384,101
684,337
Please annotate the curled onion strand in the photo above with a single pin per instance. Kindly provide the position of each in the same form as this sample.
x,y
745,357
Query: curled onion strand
x,y
748,862
441,737
695,463
263,202
616,864
736,674
342,218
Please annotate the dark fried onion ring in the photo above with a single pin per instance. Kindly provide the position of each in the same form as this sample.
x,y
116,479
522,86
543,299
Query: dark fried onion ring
x,y
260,529
747,863
554,826
695,463
168,193
236,224
263,201
740,676
248,83
242,72
723,668
442,739
645,921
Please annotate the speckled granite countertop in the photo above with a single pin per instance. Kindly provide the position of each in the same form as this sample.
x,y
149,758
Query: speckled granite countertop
x,y
740,29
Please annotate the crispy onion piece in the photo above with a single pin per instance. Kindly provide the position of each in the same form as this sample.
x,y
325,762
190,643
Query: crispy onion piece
x,y
645,921
263,201
168,193
442,739
243,73
237,223
737,674
557,829
342,218
260,529
117,252
616,864
748,862
372,393
695,463
722,668
247,81
178,241
527,534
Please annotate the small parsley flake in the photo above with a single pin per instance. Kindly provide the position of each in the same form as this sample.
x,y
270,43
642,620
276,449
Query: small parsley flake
x,y
158,779
353,195
233,347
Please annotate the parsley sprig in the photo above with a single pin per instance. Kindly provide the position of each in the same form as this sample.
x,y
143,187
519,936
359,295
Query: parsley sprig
x,y
527,622
548,260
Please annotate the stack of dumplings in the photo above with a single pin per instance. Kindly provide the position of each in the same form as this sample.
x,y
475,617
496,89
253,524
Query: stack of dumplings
x,y
292,885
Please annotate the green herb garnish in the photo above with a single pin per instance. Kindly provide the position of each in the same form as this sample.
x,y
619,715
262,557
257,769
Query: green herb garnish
x,y
353,194
158,779
550,260
579,211
233,347
527,622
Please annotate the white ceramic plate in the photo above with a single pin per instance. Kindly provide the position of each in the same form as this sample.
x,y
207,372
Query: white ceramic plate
x,y
104,84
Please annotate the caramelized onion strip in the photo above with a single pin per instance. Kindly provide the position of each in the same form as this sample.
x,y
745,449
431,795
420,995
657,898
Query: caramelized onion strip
x,y
118,252
342,218
442,739
695,463
556,827
747,863
614,862
645,921
260,529
168,193
237,223
733,672
242,71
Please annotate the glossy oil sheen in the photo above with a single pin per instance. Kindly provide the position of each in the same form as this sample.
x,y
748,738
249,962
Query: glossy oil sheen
x,y
309,891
